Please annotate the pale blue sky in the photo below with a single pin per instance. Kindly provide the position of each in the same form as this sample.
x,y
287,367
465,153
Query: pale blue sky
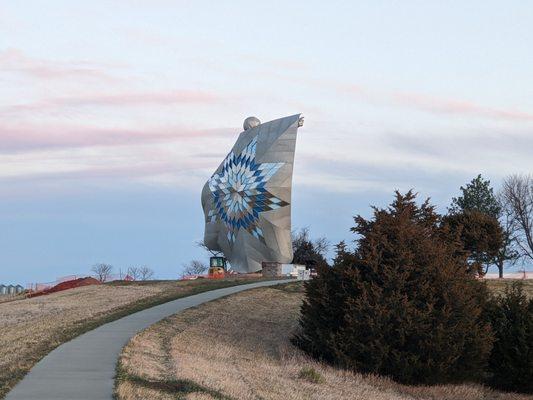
x,y
114,113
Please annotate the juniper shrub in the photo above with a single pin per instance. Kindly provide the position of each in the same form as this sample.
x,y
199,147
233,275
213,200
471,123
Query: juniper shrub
x,y
402,304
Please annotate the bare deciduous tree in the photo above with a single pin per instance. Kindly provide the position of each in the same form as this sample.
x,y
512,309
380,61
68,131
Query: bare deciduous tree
x,y
194,267
509,252
307,251
320,245
134,273
146,273
201,244
517,193
102,271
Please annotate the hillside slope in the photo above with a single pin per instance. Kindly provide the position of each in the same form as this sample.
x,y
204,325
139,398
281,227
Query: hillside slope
x,y
31,328
239,348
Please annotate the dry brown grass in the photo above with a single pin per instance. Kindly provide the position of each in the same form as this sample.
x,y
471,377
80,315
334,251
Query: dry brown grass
x,y
31,328
7,298
498,285
238,348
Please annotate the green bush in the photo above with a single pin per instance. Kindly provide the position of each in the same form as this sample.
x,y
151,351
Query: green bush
x,y
511,359
402,304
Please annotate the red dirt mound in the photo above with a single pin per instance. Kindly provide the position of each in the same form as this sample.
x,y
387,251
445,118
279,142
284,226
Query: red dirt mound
x,y
67,285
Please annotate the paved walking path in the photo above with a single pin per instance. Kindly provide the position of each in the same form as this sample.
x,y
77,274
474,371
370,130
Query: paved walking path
x,y
84,368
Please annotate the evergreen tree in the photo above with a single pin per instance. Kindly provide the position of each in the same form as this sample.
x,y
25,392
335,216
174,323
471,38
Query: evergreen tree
x,y
402,304
491,239
477,195
511,359
481,235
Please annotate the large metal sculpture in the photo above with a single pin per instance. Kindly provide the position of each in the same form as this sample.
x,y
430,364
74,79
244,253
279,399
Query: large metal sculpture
x,y
247,201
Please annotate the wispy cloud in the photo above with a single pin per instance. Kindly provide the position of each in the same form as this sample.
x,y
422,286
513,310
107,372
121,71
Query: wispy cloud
x,y
399,158
31,138
15,61
157,98
273,63
405,99
70,170
456,106
92,172
427,103
124,99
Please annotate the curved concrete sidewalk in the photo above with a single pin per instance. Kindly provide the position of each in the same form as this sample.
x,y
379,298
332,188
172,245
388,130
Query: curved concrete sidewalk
x,y
84,368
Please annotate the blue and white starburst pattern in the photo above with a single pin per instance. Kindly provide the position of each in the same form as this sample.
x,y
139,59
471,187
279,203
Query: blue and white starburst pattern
x,y
239,192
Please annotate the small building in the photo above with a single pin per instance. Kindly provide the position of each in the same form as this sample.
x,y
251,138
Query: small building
x,y
19,289
286,269
3,290
296,270
275,269
271,269
304,275
11,289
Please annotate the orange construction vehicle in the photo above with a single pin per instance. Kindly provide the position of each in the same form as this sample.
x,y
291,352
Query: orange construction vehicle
x,y
217,268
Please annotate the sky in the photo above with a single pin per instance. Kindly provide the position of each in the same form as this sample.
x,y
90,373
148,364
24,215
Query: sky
x,y
113,114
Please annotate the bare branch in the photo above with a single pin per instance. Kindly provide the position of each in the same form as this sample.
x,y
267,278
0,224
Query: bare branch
x,y
102,271
194,267
322,246
146,273
201,244
517,195
134,273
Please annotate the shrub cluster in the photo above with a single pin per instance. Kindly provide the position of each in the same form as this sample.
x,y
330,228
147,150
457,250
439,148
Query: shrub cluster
x,y
405,304
481,235
511,359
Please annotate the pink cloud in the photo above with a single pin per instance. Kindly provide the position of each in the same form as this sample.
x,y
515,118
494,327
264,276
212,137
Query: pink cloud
x,y
15,61
123,99
427,103
128,99
159,98
28,138
450,106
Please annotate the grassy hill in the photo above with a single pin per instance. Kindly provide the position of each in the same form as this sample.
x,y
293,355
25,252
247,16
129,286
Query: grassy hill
x,y
31,328
498,285
238,348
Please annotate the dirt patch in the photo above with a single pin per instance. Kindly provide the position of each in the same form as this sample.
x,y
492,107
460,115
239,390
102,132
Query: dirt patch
x,y
75,283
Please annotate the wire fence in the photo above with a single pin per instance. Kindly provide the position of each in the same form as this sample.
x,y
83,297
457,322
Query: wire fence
x,y
40,286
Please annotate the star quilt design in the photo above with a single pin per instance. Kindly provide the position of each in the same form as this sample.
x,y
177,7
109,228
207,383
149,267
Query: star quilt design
x,y
239,192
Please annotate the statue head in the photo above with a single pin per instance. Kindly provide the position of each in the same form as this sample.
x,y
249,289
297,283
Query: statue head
x,y
251,122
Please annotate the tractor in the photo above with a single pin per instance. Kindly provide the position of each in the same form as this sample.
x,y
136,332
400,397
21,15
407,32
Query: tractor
x,y
217,268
